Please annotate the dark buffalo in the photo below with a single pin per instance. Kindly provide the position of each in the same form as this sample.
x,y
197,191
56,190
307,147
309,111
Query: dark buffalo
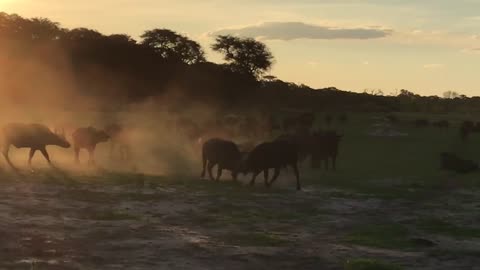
x,y
320,146
328,119
272,155
393,119
421,123
452,162
222,153
304,122
466,128
325,148
119,141
444,124
33,136
303,143
343,118
88,138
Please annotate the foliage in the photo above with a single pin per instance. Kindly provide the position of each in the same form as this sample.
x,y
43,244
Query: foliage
x,y
245,55
116,70
172,45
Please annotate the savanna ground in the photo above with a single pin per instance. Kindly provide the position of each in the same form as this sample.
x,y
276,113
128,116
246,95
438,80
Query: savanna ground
x,y
388,206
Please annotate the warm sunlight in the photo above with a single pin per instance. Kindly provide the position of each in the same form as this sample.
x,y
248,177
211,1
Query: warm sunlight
x,y
247,134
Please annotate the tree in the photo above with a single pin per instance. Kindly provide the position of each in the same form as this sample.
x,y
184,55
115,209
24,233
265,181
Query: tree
x,y
451,95
245,55
171,45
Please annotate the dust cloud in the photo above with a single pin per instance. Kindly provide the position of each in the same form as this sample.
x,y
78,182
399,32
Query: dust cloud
x,y
41,87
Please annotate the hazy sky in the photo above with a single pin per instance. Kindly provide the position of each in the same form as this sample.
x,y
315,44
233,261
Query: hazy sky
x,y
427,46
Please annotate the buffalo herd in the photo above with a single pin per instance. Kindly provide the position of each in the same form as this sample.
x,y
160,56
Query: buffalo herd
x,y
37,137
260,152
286,151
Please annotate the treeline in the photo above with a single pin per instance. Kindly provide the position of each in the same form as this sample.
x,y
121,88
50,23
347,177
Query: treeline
x,y
41,60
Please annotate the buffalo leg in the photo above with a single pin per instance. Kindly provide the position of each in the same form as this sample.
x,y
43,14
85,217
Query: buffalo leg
x,y
334,163
77,154
5,151
204,168
210,167
234,176
219,172
255,174
45,154
30,156
326,164
265,176
112,150
275,176
91,157
297,176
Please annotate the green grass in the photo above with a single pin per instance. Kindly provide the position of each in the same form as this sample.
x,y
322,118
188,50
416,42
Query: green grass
x,y
107,215
442,227
387,236
254,239
369,264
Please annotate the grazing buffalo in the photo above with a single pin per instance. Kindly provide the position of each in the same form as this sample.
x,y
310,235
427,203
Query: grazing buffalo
x,y
272,155
421,123
343,118
304,121
119,140
223,153
452,162
320,146
88,138
393,118
466,129
444,124
303,143
33,136
325,148
328,119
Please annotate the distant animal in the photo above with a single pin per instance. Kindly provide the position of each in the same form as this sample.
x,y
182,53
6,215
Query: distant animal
x,y
466,128
303,144
452,162
421,123
33,136
325,148
444,124
88,138
119,140
272,155
328,119
392,118
343,118
302,122
222,153
320,146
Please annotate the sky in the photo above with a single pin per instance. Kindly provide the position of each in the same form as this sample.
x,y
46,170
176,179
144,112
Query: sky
x,y
426,46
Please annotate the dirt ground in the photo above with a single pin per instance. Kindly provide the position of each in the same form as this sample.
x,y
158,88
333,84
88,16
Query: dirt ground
x,y
52,219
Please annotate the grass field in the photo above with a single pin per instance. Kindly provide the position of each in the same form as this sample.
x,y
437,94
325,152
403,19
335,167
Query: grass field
x,y
388,206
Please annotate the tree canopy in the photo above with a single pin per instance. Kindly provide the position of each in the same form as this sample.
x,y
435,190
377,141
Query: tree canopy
x,y
172,45
245,55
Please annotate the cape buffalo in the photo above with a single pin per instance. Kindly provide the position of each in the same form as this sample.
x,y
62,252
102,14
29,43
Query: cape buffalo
x,y
444,124
325,147
452,162
272,155
223,153
119,140
33,136
88,138
466,129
